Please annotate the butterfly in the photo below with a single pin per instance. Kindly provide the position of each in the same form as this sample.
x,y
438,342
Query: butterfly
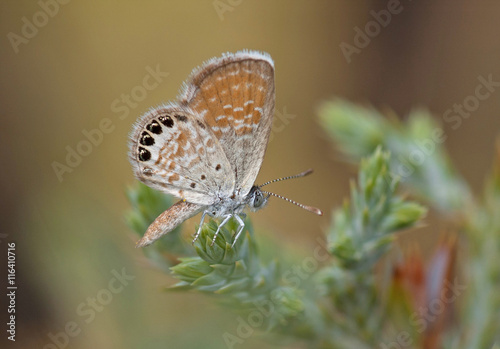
x,y
207,147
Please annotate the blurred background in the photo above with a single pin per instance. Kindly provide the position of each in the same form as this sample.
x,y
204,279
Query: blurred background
x,y
64,71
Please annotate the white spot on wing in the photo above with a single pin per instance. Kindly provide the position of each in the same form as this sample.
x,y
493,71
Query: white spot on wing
x,y
237,127
222,129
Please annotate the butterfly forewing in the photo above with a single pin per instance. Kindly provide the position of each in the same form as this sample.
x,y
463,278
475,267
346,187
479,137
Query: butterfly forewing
x,y
234,95
175,152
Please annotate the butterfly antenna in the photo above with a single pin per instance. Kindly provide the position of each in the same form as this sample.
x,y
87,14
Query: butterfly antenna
x,y
303,174
308,208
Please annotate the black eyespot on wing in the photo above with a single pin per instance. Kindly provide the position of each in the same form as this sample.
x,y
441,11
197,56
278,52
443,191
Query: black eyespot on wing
x,y
217,168
154,127
144,154
179,117
166,120
147,139
203,176
193,185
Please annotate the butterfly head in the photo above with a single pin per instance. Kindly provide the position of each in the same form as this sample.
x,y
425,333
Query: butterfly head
x,y
256,198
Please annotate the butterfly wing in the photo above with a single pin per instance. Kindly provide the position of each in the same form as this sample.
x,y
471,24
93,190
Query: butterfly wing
x,y
168,221
173,151
234,95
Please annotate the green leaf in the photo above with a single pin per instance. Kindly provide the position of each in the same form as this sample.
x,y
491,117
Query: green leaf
x,y
418,159
191,268
359,234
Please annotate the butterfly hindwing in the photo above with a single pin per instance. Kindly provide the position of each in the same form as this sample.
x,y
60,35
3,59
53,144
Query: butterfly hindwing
x,y
173,151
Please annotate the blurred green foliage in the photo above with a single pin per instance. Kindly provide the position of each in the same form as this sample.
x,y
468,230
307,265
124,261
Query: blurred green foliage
x,y
422,165
241,279
342,304
417,156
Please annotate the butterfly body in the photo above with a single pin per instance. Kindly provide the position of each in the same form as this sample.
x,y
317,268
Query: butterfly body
x,y
237,204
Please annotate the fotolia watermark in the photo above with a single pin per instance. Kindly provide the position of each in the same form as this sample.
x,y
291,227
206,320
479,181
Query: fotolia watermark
x,y
31,26
88,310
94,137
363,36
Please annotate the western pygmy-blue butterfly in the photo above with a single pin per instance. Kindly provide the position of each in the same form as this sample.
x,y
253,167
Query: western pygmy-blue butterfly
x,y
207,147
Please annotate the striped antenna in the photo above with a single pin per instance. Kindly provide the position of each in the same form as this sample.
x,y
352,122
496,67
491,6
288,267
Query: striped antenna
x,y
308,208
303,174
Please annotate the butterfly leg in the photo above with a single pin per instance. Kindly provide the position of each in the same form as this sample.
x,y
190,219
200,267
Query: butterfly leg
x,y
198,232
239,218
224,221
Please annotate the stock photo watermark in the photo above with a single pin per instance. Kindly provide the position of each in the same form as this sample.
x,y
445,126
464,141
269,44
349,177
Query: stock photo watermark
x,y
483,90
363,36
94,137
280,121
420,320
264,309
455,115
87,310
223,6
127,102
422,149
11,291
31,26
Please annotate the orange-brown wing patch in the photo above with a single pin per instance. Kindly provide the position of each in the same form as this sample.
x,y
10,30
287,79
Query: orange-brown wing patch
x,y
235,97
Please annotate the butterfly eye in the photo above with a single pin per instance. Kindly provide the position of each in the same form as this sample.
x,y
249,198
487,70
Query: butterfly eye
x,y
258,199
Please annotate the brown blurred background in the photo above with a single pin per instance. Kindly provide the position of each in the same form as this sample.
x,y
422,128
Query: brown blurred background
x,y
70,234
